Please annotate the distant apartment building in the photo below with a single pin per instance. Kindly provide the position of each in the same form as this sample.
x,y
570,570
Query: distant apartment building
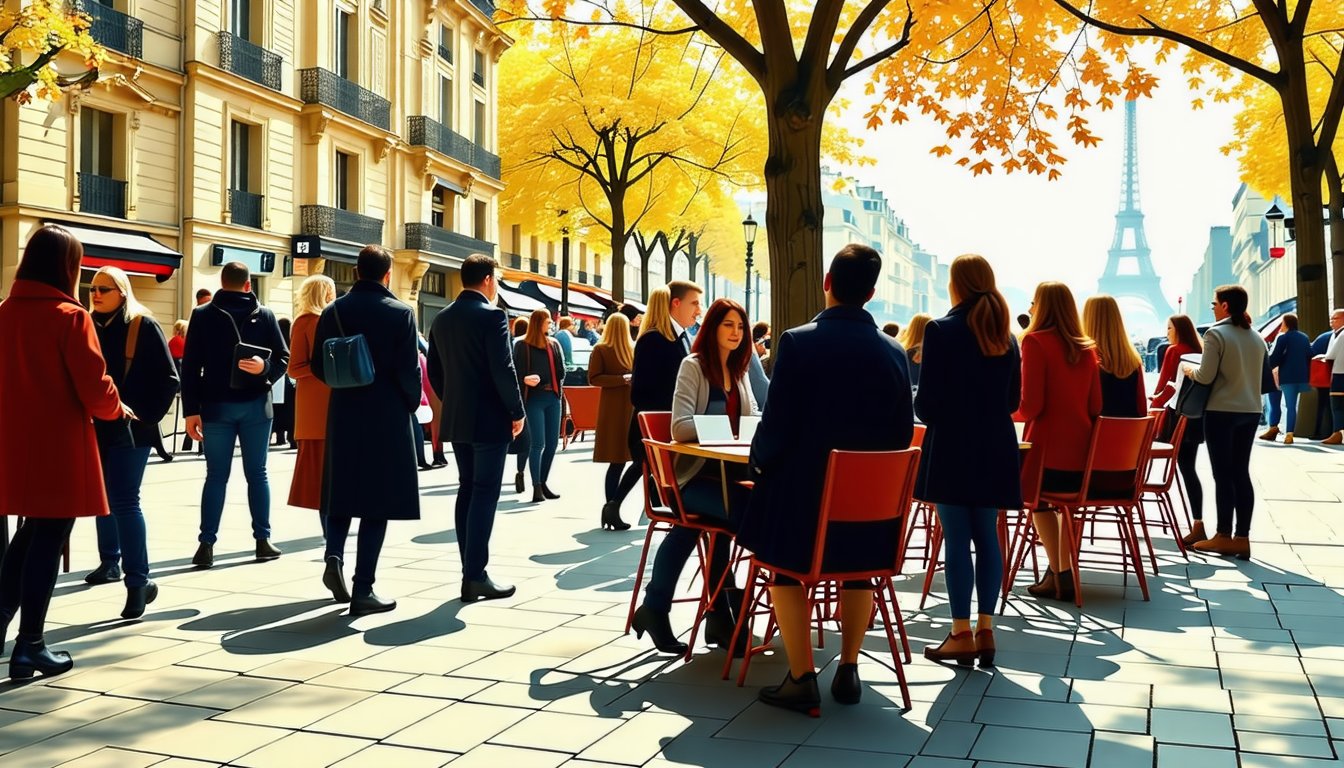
x,y
1214,270
1268,280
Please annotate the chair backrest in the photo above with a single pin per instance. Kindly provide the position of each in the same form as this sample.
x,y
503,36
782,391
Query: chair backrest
x,y
1159,419
1033,469
1121,446
866,487
662,471
656,426
583,405
1169,470
917,439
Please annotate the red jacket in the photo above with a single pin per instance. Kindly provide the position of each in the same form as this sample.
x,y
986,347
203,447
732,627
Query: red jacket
x,y
1059,401
1167,378
53,381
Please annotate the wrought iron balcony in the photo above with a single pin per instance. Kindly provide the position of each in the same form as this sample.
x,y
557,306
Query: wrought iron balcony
x,y
245,208
582,277
478,78
349,226
102,196
597,281
445,53
427,237
249,60
511,260
550,270
321,86
424,131
534,266
113,29
486,6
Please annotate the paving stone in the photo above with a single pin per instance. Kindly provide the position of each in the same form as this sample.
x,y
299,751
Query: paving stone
x,y
231,693
383,756
1121,750
1208,729
1285,725
460,727
1171,756
821,757
951,739
303,749
642,737
1281,744
1032,746
556,732
295,707
378,716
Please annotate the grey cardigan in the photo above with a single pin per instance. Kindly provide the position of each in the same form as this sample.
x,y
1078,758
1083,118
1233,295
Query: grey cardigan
x,y
1236,357
690,399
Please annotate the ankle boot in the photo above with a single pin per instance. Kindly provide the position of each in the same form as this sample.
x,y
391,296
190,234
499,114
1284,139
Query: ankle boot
x,y
958,647
984,646
611,517
800,695
658,626
518,486
537,495
1270,434
1287,438
32,656
1045,587
1064,586
720,624
106,573
1195,535
548,493
137,598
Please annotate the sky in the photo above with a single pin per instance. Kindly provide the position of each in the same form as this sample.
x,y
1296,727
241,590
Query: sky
x,y
1032,229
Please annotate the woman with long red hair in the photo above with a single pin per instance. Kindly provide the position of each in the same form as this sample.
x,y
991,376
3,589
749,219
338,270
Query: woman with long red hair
x,y
712,381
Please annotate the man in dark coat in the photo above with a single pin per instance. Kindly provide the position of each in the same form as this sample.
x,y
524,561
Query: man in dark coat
x,y
370,470
228,402
839,383
471,370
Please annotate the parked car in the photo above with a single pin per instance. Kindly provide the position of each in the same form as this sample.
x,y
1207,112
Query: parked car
x,y
576,372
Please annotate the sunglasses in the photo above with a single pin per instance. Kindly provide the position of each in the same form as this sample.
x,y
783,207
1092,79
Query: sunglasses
x,y
102,289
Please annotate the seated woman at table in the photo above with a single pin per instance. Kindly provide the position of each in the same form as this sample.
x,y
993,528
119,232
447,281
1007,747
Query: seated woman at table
x,y
712,381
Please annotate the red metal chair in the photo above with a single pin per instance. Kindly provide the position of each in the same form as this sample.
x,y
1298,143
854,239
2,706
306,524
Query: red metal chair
x,y
1117,446
1157,491
581,405
860,487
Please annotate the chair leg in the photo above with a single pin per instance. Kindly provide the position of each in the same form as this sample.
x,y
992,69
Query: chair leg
x,y
639,575
743,624
1133,546
1022,538
1147,537
891,638
1072,529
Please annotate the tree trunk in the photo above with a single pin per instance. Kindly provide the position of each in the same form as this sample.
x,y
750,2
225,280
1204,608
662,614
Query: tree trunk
x,y
793,214
692,258
1336,198
1312,299
620,235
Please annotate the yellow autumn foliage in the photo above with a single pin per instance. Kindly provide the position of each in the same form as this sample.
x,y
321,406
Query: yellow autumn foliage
x,y
31,38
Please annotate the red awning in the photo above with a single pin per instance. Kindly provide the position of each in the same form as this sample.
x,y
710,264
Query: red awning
x,y
139,268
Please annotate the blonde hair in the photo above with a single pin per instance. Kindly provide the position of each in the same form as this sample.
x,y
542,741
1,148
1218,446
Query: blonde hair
x,y
1057,311
1102,321
658,316
536,328
180,328
617,336
130,308
313,295
912,336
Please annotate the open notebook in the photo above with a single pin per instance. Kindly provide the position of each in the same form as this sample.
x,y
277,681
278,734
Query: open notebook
x,y
717,430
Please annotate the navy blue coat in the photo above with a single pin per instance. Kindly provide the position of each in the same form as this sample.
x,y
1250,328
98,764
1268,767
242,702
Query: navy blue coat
x,y
1292,356
369,467
471,370
838,383
966,401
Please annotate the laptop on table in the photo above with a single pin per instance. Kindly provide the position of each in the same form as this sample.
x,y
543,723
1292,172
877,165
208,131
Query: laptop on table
x,y
718,431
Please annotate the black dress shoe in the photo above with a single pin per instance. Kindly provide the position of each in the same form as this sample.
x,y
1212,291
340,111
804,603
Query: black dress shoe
x,y
266,550
370,603
31,657
106,573
845,686
538,495
137,598
204,557
485,590
658,626
439,461
719,628
334,579
425,467
799,695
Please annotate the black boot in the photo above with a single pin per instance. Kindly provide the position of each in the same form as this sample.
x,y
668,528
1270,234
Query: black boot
x,y
845,686
660,630
363,605
611,517
334,579
106,573
205,556
719,627
548,493
32,656
537,495
801,695
518,486
137,598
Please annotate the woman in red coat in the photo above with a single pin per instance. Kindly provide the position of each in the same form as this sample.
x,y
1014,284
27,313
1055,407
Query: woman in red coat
x,y
1061,397
54,384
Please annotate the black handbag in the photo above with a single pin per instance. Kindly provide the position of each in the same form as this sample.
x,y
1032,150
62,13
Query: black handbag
x,y
346,362
1193,398
238,378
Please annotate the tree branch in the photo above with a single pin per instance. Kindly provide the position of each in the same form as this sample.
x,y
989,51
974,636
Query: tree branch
x,y
825,19
718,30
835,71
886,53
1331,116
625,24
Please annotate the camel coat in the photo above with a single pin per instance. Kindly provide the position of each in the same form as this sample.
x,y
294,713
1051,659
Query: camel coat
x,y
614,409
311,395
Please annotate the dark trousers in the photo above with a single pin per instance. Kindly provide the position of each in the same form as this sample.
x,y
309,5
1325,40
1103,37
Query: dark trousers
x,y
121,535
1229,437
28,573
702,495
1325,425
961,526
1337,411
1185,462
372,531
480,471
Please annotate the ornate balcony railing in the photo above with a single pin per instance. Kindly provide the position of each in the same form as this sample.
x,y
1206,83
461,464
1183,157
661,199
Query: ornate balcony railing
x,y
113,29
597,281
582,277
102,196
487,161
550,270
321,86
427,237
249,60
352,227
478,78
534,266
245,208
445,53
511,260
422,131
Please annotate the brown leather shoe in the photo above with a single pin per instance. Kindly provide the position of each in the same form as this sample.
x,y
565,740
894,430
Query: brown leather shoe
x,y
1288,438
1270,434
1045,587
1195,535
1226,546
984,646
1335,439
958,647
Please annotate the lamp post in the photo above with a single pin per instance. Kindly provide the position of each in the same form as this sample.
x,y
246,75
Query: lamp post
x,y
564,269
1274,217
749,232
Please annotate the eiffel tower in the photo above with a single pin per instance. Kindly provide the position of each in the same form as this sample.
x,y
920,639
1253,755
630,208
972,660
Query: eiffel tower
x,y
1139,281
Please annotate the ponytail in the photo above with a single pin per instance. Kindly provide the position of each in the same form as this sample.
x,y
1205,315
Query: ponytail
x,y
1237,301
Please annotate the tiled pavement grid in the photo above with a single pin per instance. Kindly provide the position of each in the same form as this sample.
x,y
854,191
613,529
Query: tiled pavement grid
x,y
251,664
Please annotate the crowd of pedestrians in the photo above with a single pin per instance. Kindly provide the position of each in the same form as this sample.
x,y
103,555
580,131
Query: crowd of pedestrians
x,y
367,390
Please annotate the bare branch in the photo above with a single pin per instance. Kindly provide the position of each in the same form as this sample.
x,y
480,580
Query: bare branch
x,y
886,53
624,24
720,32
850,42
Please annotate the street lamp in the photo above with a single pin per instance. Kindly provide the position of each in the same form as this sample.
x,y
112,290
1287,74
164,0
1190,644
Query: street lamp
x,y
1274,217
749,232
564,269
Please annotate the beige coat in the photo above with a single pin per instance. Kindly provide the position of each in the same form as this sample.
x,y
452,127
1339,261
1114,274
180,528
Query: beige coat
x,y
614,410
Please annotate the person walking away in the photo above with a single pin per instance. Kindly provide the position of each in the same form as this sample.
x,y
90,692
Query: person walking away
x,y
609,368
912,339
540,366
563,336
1233,363
972,373
471,370
892,329
1182,339
142,369
1058,359
234,356
282,426
371,430
311,396
50,471
1291,360
1319,346
789,459
1123,394
522,444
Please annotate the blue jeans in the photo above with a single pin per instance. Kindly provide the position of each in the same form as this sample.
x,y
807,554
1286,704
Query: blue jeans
x,y
121,535
372,531
1286,396
543,424
223,425
480,471
961,526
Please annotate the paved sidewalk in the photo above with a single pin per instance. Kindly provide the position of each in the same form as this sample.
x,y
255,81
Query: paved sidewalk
x,y
251,664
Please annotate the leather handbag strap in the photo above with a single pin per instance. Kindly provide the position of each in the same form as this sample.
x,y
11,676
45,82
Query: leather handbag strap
x,y
132,338
336,314
550,358
232,322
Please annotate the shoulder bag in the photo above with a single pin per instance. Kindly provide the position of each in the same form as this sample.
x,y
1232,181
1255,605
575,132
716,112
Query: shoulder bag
x,y
238,378
347,363
1194,397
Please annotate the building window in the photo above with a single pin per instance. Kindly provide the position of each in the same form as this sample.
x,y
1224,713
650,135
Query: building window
x,y
446,101
479,136
482,211
446,43
437,208
96,142
478,73
345,179
240,19
240,163
434,283
341,51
